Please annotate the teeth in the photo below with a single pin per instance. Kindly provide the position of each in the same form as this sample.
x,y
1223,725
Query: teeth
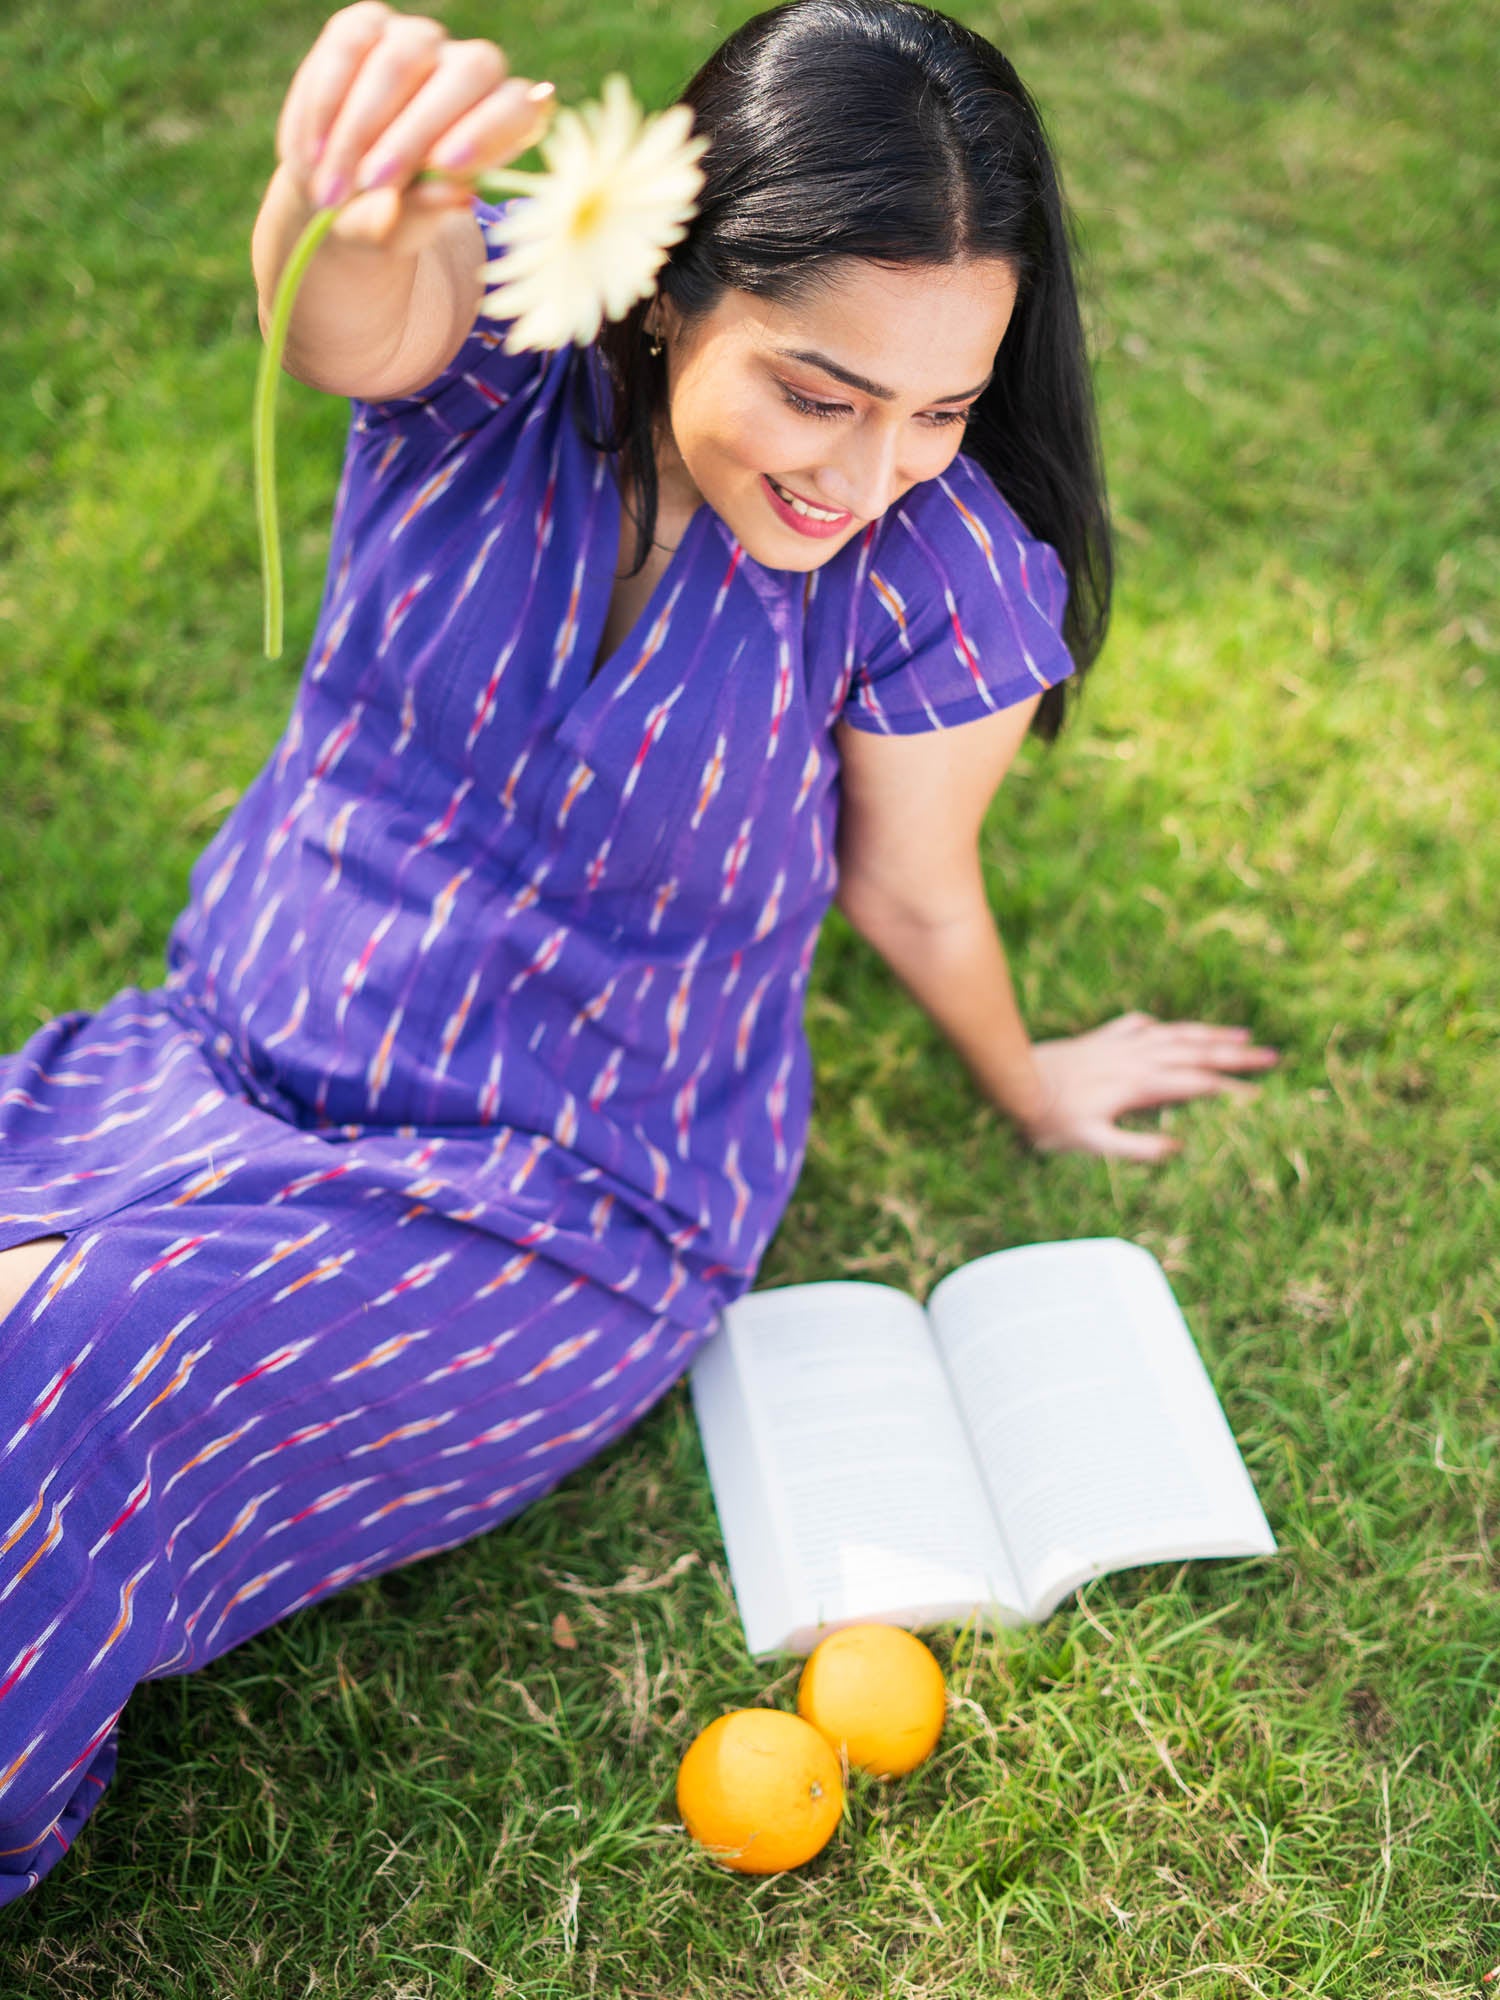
x,y
801,507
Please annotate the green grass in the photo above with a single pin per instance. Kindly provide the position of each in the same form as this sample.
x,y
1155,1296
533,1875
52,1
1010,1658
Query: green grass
x,y
1280,807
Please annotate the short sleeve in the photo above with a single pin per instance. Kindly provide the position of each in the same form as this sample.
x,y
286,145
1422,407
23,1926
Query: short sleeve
x,y
960,612
480,380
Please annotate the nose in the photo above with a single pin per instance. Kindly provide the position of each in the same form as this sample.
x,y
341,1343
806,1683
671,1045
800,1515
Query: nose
x,y
864,476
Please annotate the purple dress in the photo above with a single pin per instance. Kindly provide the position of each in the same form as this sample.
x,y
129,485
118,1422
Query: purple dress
x,y
477,1082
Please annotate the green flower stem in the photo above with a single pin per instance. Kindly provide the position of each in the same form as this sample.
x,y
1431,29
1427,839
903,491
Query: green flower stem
x,y
494,180
265,422
498,180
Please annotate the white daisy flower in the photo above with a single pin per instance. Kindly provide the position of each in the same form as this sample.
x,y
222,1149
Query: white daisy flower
x,y
590,234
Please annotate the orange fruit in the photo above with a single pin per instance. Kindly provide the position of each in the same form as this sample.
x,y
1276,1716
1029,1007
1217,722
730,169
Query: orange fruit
x,y
760,1790
878,1692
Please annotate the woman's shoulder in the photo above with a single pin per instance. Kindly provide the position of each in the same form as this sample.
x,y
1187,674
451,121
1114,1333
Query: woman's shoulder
x,y
954,545
961,524
960,609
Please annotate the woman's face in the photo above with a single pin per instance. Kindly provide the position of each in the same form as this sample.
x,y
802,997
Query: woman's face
x,y
842,402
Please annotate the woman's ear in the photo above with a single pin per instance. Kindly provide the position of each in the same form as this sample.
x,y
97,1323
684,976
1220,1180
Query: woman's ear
x,y
663,320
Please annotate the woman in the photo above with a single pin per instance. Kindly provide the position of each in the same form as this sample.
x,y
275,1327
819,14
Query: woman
x,y
477,1084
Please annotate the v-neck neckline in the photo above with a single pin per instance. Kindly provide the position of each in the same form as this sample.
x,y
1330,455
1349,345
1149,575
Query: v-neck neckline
x,y
617,661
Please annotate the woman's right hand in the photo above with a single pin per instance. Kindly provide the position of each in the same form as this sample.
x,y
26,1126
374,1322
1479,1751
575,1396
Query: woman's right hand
x,y
379,96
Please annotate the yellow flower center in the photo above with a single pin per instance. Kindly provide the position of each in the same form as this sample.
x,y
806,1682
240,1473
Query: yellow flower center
x,y
587,214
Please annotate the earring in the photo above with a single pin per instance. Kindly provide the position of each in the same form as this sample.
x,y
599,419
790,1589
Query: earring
x,y
653,345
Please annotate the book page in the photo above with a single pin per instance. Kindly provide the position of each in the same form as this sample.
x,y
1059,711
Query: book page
x,y
1096,1429
862,1474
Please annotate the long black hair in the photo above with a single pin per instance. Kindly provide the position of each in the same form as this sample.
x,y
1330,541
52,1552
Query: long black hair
x,y
884,130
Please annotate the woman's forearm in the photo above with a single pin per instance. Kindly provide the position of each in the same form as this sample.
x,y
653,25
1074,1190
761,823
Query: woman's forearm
x,y
955,969
353,304
369,320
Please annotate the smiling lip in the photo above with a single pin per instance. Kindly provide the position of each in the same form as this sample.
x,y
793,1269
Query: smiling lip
x,y
803,523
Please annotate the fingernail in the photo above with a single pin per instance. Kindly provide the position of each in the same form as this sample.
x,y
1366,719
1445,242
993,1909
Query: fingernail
x,y
379,174
329,189
540,97
451,158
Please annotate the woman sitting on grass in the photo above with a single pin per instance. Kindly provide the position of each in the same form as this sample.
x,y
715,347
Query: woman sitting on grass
x,y
477,1083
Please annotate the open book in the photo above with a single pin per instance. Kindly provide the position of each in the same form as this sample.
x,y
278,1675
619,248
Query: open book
x,y
1046,1419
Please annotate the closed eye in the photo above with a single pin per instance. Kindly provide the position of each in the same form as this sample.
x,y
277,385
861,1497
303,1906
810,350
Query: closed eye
x,y
806,407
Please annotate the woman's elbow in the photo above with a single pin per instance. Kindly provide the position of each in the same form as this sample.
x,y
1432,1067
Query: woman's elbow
x,y
916,906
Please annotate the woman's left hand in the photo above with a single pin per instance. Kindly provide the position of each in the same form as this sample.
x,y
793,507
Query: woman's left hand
x,y
1134,1063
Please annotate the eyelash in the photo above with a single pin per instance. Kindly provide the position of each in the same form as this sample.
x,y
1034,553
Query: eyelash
x,y
939,419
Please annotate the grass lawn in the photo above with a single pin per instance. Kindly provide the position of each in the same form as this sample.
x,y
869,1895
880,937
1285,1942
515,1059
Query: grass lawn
x,y
1280,806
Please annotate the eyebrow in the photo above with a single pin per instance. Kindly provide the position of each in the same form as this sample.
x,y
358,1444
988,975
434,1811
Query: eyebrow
x,y
862,382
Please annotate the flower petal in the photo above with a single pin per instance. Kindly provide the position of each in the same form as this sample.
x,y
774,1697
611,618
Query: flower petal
x,y
589,240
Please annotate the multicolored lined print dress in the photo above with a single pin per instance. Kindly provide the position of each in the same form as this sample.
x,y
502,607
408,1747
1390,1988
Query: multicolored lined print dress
x,y
477,1082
